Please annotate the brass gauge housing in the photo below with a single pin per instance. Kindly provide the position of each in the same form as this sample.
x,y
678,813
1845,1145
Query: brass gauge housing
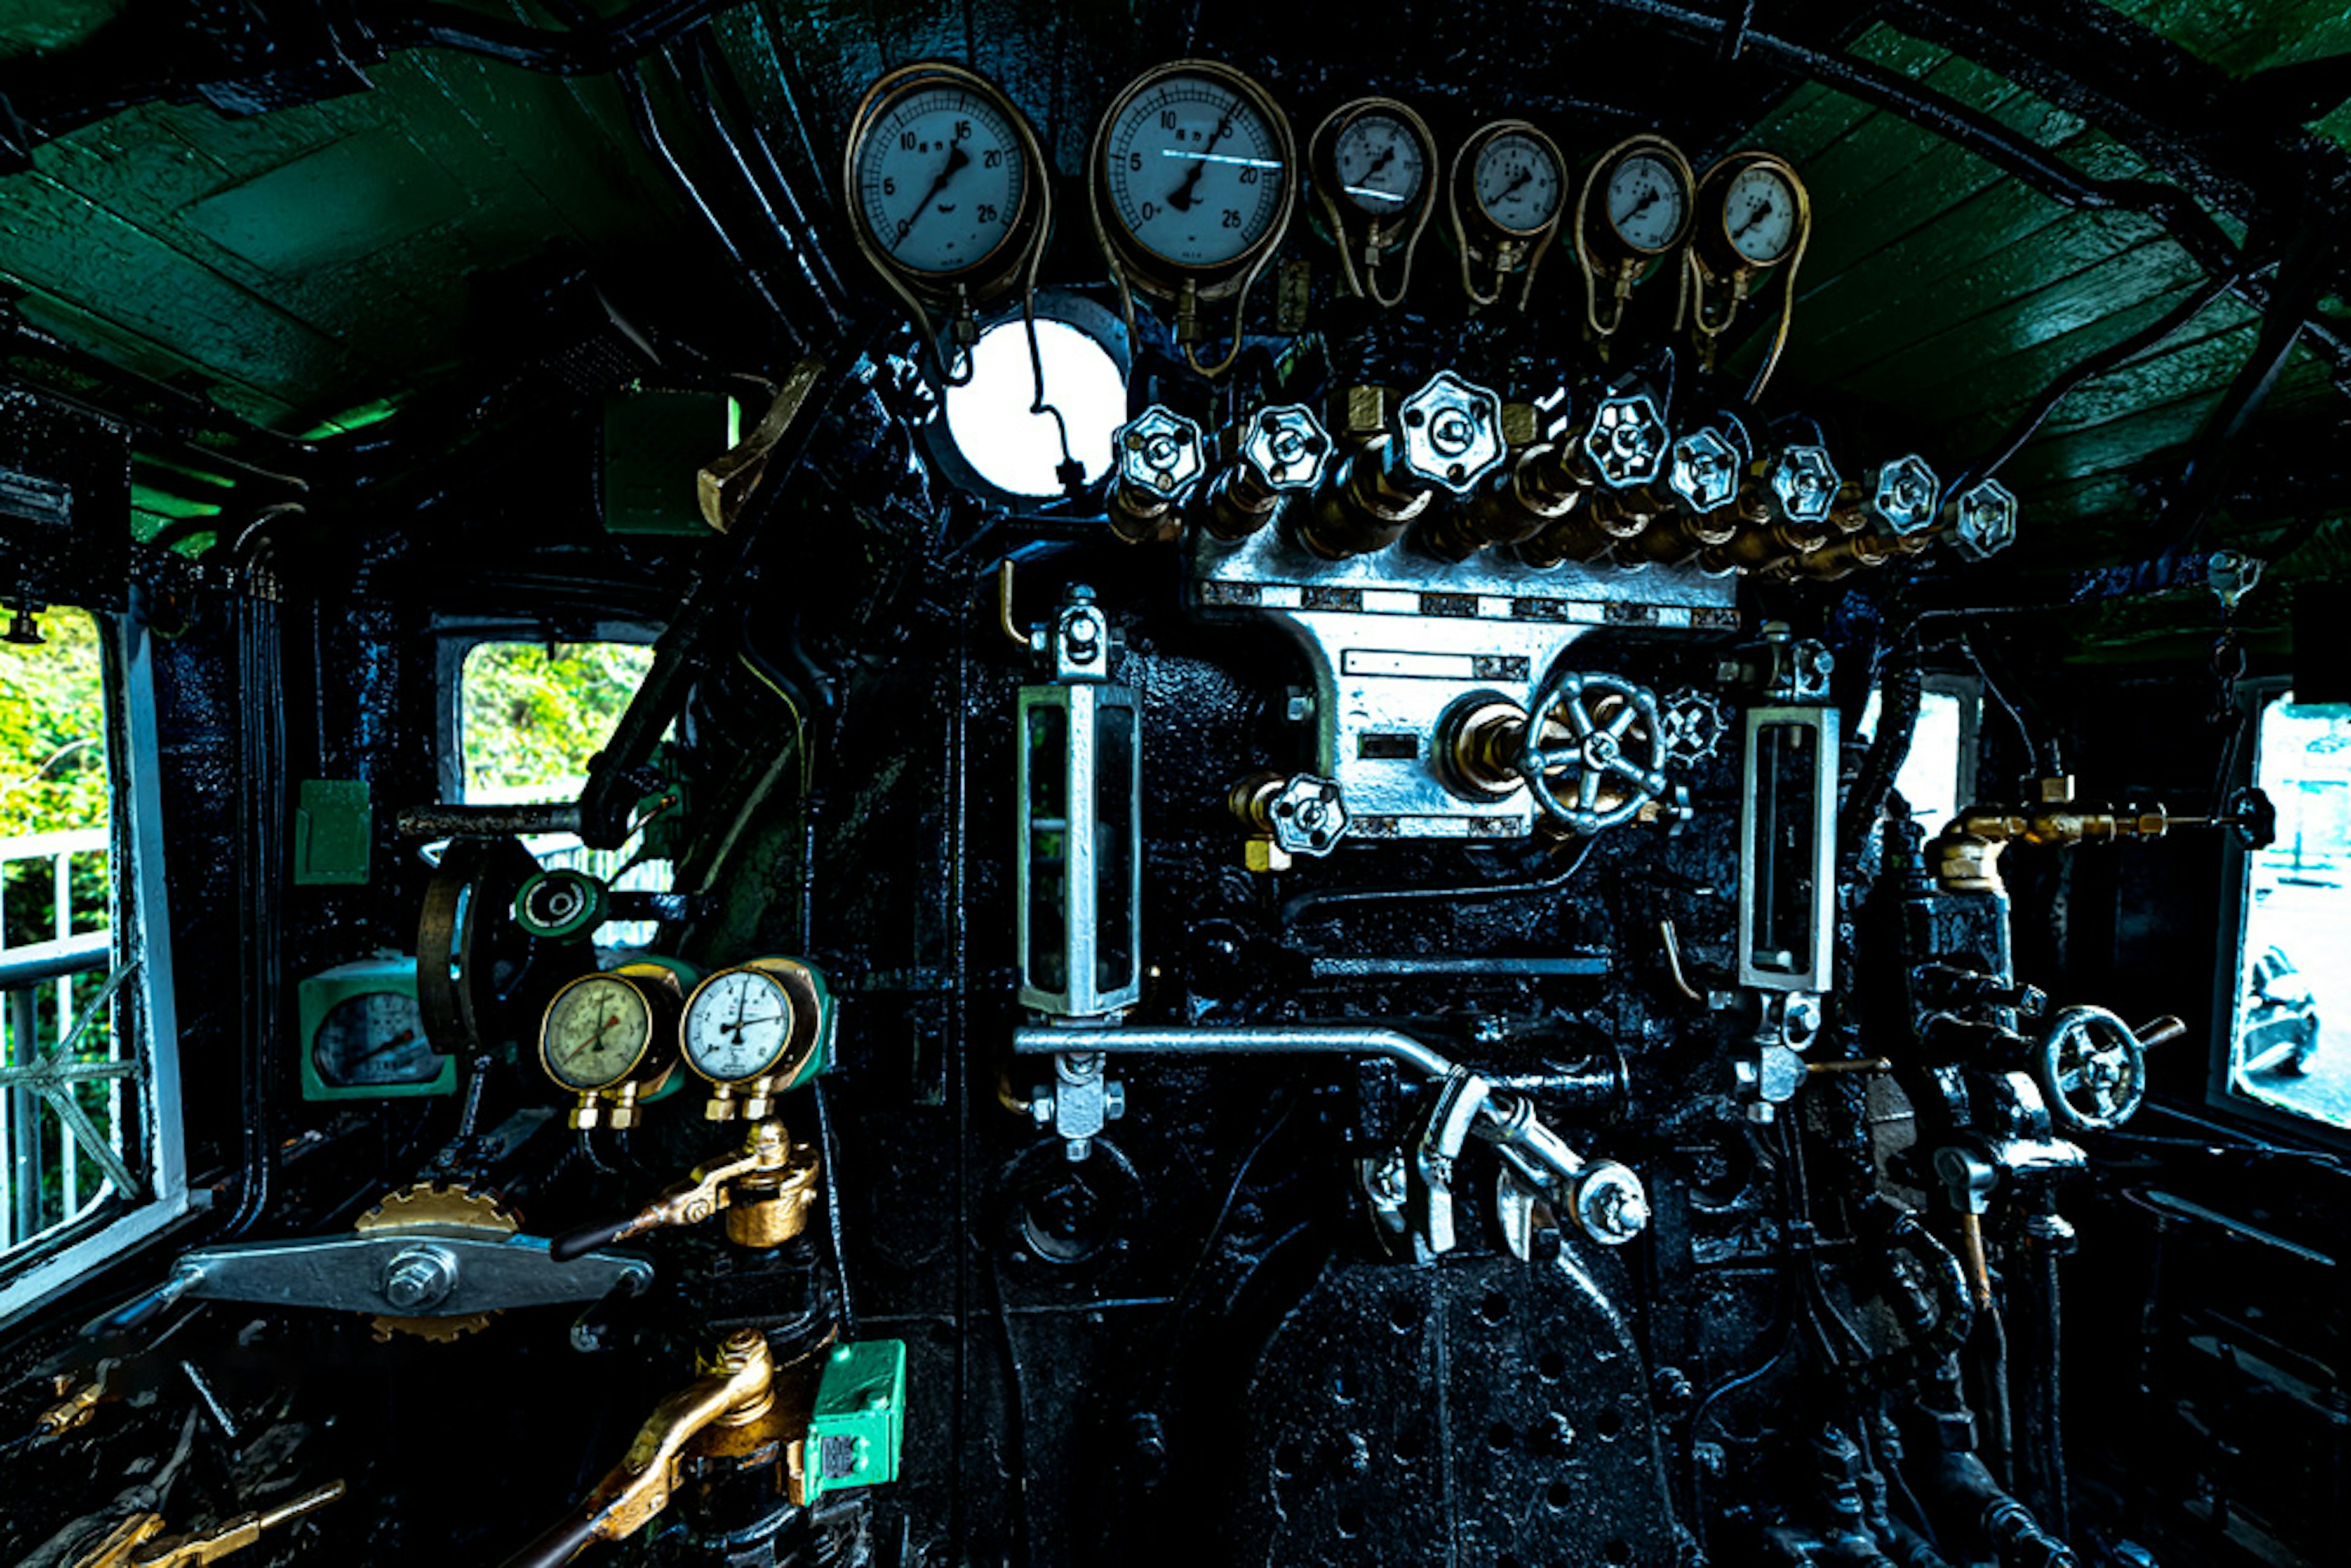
x,y
1373,164
947,192
1634,207
1193,176
1508,191
1755,219
611,1038
754,1031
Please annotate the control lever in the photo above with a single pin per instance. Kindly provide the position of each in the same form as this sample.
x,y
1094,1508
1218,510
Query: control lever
x,y
766,1189
139,1541
735,1393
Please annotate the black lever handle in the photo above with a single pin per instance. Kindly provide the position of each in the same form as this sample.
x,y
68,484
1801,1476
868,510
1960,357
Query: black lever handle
x,y
586,1238
559,1544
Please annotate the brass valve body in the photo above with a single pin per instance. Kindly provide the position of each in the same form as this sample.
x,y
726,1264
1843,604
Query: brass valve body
x,y
1362,508
1542,486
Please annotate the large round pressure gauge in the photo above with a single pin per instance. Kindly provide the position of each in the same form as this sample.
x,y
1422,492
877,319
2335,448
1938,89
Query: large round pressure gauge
x,y
1194,170
372,1039
1373,164
597,1030
755,1030
1758,214
943,181
1517,181
1647,202
1379,163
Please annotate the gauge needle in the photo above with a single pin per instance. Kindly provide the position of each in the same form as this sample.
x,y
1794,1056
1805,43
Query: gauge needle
x,y
594,1040
388,1046
1760,214
1183,197
956,159
1524,175
741,1024
1386,157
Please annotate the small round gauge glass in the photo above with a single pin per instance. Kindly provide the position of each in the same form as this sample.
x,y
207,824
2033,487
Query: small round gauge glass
x,y
738,1027
1380,163
1648,202
596,1032
1517,181
1195,170
1758,214
940,178
375,1038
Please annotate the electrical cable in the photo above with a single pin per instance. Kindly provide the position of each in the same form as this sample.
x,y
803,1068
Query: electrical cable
x,y
832,1207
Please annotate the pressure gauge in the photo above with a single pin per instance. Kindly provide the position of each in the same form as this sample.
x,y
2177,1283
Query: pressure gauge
x,y
1510,188
1634,207
1373,164
364,1034
1754,220
1648,202
756,1030
1195,163
946,191
608,1036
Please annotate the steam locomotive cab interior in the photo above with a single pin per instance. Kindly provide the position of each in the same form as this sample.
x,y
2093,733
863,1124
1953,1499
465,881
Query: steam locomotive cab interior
x,y
895,787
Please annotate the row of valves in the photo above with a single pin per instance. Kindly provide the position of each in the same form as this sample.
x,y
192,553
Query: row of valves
x,y
1620,488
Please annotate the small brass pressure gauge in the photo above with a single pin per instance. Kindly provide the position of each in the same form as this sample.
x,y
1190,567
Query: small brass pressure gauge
x,y
1508,191
946,190
1373,164
1193,176
754,1031
1636,207
611,1038
1754,219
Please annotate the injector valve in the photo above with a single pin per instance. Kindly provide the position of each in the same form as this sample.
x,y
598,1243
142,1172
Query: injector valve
x,y
1452,433
1160,458
1628,441
1982,522
1283,450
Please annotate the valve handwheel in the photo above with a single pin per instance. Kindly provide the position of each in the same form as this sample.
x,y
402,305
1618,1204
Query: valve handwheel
x,y
1594,752
2093,1069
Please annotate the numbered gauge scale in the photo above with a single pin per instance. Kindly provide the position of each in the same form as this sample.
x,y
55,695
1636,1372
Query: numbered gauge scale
x,y
1373,164
1508,191
1634,209
364,1035
756,1031
1194,177
946,188
611,1038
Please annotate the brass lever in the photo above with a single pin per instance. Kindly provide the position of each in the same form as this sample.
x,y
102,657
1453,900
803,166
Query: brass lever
x,y
736,1392
766,1189
139,1541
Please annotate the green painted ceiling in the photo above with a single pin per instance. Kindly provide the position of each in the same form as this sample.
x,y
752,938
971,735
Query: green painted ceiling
x,y
309,267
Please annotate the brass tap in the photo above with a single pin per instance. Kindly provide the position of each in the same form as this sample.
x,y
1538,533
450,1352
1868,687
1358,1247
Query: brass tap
x,y
730,1407
766,1189
1364,505
139,1541
1542,486
1966,854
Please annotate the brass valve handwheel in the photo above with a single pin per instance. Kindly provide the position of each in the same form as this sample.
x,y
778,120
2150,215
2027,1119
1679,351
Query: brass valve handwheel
x,y
1595,753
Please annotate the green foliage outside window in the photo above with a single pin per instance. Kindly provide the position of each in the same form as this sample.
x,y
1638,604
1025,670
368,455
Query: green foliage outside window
x,y
533,714
53,769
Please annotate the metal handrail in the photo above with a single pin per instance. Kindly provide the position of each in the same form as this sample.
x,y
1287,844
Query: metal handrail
x,y
35,962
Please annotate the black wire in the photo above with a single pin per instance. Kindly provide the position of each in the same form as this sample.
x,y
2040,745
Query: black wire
x,y
832,1207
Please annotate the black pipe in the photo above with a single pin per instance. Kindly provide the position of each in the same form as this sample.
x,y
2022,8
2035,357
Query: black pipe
x,y
261,876
1898,723
1959,1481
592,47
799,236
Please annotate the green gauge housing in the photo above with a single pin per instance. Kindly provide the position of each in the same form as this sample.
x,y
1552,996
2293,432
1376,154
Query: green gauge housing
x,y
857,1432
363,1036
558,905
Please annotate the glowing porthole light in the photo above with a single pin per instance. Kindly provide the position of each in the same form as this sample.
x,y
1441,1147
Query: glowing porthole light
x,y
1017,451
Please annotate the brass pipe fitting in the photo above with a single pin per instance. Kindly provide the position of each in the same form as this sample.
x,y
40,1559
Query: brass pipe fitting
x,y
1606,520
1480,751
766,1189
1276,451
1542,486
139,1541
1966,854
1364,505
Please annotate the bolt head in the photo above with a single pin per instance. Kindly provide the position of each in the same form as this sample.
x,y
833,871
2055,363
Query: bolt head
x,y
1159,453
1905,496
1611,1204
1705,469
1287,445
1983,521
1804,483
1627,440
1452,432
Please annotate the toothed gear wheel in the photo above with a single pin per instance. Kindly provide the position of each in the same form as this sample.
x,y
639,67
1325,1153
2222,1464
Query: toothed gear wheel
x,y
430,1209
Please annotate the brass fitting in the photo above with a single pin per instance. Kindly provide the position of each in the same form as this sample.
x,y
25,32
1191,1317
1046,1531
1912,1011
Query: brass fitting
x,y
1364,505
735,1391
1604,522
78,1400
1157,459
1966,853
1277,451
766,1189
139,1541
1285,818
1542,484
1480,748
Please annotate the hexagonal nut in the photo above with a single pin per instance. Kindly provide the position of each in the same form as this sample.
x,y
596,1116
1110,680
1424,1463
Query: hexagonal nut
x,y
1627,440
1262,855
1804,483
1983,521
1160,453
1452,432
1287,445
1360,413
1704,469
1307,817
1904,494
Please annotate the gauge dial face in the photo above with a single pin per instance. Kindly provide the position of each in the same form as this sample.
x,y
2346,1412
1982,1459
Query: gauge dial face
x,y
738,1027
1758,214
1648,203
1381,164
940,179
1517,181
596,1032
1194,170
375,1038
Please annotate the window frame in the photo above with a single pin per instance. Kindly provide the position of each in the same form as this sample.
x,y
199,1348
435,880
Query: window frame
x,y
2253,698
142,928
